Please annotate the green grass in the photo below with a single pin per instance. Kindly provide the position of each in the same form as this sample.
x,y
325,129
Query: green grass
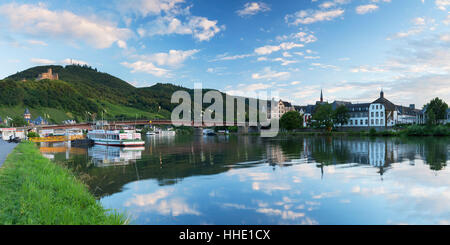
x,y
36,191
56,115
411,130
118,111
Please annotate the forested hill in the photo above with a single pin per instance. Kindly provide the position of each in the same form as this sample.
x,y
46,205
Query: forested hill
x,y
82,90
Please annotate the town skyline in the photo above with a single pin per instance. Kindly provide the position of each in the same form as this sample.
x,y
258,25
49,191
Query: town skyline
x,y
349,49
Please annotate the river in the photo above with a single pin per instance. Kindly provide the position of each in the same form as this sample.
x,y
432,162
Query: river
x,y
233,180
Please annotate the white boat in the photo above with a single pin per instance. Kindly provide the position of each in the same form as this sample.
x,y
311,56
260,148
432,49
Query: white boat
x,y
124,138
151,133
209,132
167,133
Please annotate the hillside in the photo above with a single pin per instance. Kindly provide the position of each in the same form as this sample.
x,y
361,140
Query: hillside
x,y
81,92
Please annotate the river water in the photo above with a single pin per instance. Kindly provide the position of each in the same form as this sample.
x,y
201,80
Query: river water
x,y
250,180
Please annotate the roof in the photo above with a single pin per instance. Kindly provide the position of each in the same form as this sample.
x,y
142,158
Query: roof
x,y
358,107
286,104
309,109
337,103
407,110
389,105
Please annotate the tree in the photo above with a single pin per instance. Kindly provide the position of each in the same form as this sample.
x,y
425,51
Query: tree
x,y
341,115
431,117
291,120
436,111
323,117
18,122
33,135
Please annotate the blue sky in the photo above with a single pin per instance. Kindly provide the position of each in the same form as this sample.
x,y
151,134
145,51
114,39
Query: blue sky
x,y
349,48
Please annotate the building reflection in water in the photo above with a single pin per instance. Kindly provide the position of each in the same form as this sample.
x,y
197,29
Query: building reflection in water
x,y
50,150
100,156
379,153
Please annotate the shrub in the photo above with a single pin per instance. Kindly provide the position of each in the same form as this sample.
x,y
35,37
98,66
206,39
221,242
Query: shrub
x,y
33,135
415,130
441,131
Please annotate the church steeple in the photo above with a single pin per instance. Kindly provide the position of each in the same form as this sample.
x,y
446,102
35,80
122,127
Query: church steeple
x,y
321,96
381,94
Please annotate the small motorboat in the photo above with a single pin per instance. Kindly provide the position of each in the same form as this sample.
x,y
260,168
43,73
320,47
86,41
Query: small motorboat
x,y
209,132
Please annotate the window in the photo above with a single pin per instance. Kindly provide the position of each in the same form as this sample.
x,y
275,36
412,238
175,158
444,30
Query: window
x,y
351,122
377,122
356,122
362,122
371,114
377,114
382,122
382,114
367,121
377,107
371,121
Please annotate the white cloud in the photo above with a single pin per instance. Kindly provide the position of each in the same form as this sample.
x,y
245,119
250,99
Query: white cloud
x,y
204,29
445,37
312,16
246,89
442,4
147,67
268,49
420,24
447,20
268,74
150,7
169,17
419,21
232,57
200,28
151,63
285,62
330,4
37,42
324,66
42,61
305,37
161,202
172,58
364,9
37,20
253,8
366,69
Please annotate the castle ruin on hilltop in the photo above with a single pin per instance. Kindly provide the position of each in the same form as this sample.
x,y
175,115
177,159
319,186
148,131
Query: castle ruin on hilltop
x,y
48,75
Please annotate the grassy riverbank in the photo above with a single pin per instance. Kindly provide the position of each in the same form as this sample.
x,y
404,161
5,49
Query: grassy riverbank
x,y
412,130
36,191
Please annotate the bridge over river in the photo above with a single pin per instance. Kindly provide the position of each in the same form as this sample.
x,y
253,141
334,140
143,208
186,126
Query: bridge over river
x,y
244,127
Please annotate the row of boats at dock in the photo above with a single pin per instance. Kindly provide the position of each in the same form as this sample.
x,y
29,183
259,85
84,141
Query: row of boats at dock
x,y
125,137
109,135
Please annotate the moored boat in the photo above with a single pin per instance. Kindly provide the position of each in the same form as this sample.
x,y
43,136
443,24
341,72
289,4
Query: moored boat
x,y
123,138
